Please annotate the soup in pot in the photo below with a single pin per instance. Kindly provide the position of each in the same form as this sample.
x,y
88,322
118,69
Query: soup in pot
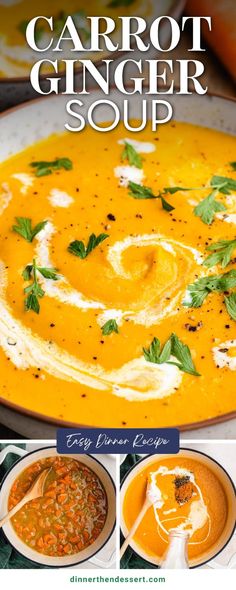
x,y
71,513
187,496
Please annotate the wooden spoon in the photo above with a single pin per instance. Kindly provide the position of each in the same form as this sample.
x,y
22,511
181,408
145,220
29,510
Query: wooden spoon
x,y
133,529
153,495
35,491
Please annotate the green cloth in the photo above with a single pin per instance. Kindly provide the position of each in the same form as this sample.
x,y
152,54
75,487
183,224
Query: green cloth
x,y
130,560
9,558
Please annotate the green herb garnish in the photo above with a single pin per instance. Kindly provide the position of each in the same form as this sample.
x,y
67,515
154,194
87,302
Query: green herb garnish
x,y
222,252
230,303
117,3
140,192
137,191
44,168
38,33
80,21
208,207
129,153
198,291
233,165
172,348
79,249
223,184
154,354
109,327
34,292
182,353
24,228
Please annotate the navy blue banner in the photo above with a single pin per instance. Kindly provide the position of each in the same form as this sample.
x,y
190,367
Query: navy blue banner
x,y
118,440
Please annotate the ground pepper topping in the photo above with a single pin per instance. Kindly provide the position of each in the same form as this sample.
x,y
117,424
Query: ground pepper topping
x,y
183,489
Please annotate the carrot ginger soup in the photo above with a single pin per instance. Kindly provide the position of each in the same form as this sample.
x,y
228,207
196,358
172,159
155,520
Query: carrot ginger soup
x,y
69,516
188,496
118,278
17,58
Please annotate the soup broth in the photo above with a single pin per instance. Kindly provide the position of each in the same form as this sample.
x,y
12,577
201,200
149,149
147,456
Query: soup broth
x,y
191,499
83,345
69,516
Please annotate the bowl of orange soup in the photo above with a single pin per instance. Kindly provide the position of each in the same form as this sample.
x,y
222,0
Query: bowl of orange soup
x,y
17,57
117,265
193,493
73,519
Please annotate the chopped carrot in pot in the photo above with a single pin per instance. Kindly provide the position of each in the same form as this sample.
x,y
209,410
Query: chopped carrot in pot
x,y
74,501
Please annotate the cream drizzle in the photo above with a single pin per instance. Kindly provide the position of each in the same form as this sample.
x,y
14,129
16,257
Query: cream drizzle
x,y
61,289
5,197
198,514
64,292
59,198
137,380
128,174
142,147
222,358
27,180
131,381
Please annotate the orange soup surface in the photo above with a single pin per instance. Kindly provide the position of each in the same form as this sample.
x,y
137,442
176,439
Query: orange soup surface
x,y
70,515
192,499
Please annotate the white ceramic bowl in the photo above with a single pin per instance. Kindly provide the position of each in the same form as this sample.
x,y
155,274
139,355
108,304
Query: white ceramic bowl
x,y
226,483
31,122
70,560
16,90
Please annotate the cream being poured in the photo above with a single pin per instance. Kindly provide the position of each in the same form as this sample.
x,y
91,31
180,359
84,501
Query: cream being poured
x,y
198,513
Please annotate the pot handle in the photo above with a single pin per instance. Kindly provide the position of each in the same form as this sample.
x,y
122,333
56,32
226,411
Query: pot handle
x,y
230,565
11,449
103,564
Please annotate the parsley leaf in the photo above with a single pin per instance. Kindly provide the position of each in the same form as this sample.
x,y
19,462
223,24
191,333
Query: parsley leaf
x,y
44,168
140,192
207,208
129,153
222,252
182,353
175,189
165,205
80,21
172,348
109,327
34,292
224,184
154,354
38,33
24,228
79,249
233,165
230,303
198,291
137,191
117,3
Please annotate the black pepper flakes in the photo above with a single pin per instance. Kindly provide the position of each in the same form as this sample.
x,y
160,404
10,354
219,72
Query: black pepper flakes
x,y
192,328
